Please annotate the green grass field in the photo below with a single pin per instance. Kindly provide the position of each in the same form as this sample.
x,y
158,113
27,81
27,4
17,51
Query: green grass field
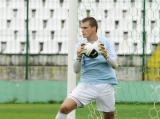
x,y
48,111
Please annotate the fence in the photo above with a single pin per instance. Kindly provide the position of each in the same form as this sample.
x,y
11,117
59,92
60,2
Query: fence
x,y
47,91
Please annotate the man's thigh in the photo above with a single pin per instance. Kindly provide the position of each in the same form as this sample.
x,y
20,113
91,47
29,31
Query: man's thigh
x,y
83,94
106,100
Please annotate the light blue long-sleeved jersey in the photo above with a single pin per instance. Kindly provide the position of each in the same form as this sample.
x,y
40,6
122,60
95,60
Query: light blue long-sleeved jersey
x,y
97,70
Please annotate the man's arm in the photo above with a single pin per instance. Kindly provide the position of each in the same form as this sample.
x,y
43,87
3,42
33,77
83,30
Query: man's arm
x,y
112,62
105,53
77,63
77,66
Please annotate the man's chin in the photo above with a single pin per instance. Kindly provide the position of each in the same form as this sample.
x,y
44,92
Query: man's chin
x,y
84,36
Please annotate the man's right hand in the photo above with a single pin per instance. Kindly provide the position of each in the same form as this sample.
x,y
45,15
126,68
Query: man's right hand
x,y
80,52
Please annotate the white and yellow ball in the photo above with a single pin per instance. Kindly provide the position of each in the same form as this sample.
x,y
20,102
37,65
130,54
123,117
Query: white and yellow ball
x,y
91,49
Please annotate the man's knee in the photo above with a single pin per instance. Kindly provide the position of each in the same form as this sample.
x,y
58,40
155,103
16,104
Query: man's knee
x,y
64,109
67,106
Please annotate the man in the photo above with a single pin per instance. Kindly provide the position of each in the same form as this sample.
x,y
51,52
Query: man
x,y
97,75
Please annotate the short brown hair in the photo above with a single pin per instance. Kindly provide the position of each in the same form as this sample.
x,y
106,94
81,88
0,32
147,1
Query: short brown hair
x,y
92,22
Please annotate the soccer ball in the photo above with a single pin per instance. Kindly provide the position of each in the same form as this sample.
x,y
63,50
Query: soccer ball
x,y
91,49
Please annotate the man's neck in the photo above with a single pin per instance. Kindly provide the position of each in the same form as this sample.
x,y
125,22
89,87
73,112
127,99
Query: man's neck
x,y
92,39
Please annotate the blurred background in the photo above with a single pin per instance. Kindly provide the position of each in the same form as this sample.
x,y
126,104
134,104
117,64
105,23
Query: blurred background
x,y
34,48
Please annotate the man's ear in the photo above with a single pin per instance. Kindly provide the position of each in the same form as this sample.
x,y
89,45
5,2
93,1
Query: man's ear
x,y
94,28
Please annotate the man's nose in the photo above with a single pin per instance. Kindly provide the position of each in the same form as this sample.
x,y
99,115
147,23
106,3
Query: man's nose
x,y
82,30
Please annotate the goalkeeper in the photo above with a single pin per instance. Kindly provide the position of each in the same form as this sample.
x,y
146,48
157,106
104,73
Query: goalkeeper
x,y
97,75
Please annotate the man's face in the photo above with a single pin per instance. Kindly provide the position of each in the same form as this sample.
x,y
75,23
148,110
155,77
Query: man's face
x,y
87,30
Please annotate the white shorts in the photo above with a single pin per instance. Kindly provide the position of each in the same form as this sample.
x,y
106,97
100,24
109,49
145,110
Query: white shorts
x,y
103,94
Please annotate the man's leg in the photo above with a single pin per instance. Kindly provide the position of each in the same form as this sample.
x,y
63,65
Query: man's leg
x,y
67,106
108,115
106,101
